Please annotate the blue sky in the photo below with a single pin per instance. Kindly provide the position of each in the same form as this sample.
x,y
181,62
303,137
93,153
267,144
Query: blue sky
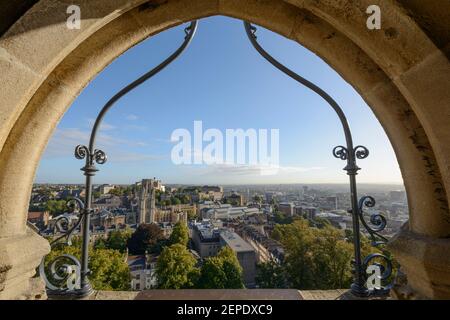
x,y
222,81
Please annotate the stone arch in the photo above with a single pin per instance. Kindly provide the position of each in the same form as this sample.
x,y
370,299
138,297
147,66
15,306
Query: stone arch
x,y
399,71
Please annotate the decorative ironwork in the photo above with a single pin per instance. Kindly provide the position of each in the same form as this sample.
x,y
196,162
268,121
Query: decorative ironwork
x,y
68,276
377,223
340,152
384,264
377,220
349,154
62,273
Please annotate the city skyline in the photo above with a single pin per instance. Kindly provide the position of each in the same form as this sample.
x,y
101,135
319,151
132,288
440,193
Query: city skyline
x,y
138,143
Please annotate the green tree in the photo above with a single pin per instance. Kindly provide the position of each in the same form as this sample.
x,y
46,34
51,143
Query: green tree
x,y
185,199
282,218
176,268
270,275
117,240
297,239
258,198
166,203
319,222
232,268
180,234
331,258
117,191
221,272
315,258
175,201
109,270
144,238
56,207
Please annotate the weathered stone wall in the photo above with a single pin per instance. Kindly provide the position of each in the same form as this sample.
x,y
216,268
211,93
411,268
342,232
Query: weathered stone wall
x,y
401,71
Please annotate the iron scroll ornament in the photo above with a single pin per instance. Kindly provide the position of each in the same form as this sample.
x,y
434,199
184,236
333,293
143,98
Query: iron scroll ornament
x,y
69,276
62,274
349,153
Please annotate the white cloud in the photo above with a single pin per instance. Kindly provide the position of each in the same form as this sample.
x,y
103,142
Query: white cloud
x,y
130,156
227,170
132,117
64,141
104,126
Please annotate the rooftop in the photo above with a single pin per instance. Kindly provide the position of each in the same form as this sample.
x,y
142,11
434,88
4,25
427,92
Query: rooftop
x,y
235,242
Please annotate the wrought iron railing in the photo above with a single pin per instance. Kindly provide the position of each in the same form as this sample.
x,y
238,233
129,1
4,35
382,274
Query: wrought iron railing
x,y
67,276
73,278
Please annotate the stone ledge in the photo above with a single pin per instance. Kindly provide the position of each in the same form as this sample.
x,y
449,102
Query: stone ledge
x,y
19,257
227,294
425,261
200,294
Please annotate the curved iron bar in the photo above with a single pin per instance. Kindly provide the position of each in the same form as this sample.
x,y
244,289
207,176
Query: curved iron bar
x,y
385,285
348,153
92,156
64,274
69,232
64,270
189,34
377,220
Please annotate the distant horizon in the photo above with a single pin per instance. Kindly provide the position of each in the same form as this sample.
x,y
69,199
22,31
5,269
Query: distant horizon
x,y
231,184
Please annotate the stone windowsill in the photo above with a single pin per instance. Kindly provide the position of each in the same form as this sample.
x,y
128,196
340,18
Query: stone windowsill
x,y
225,294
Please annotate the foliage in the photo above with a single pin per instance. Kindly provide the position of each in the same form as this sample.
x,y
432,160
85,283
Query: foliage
x,y
281,218
319,222
270,275
117,240
192,215
258,198
180,234
56,207
176,268
122,191
158,247
315,258
109,270
221,272
144,238
166,202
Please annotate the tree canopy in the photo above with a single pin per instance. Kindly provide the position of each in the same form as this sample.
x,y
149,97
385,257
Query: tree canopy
x,y
109,270
145,238
176,268
180,234
117,240
315,258
56,207
270,275
221,272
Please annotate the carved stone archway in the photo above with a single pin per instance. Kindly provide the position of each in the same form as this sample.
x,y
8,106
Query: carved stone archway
x,y
401,71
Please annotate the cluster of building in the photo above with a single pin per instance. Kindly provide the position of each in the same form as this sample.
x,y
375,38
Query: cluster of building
x,y
217,217
208,238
